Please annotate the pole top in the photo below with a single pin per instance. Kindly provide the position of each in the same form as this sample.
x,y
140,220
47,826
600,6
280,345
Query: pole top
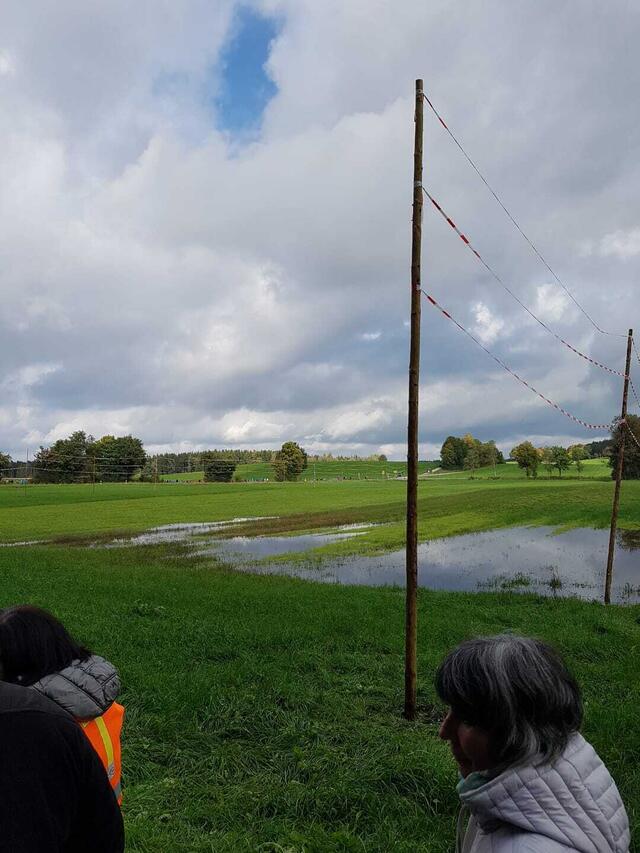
x,y
630,333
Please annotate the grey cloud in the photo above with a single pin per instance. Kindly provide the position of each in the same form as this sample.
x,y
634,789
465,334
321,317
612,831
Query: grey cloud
x,y
196,292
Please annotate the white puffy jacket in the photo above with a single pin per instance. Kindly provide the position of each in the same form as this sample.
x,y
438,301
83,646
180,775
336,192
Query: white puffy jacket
x,y
571,804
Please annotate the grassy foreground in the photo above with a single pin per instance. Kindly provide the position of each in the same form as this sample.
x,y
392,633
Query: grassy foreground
x,y
264,713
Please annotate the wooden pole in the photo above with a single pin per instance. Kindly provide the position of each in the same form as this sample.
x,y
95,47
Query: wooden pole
x,y
616,493
411,617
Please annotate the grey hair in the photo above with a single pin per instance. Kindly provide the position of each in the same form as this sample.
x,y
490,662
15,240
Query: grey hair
x,y
518,690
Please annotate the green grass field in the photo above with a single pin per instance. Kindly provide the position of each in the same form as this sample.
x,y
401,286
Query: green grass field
x,y
593,469
263,713
448,506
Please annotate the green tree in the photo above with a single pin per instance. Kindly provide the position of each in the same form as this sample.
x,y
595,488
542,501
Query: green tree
x,y
578,454
488,453
453,452
65,461
631,463
472,459
560,458
116,460
527,458
219,470
547,459
598,449
5,465
290,461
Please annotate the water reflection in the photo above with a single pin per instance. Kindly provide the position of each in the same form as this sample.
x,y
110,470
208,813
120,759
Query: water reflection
x,y
517,559
260,547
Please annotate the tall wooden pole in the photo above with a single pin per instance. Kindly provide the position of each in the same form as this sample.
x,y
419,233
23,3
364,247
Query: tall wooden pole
x,y
411,619
616,493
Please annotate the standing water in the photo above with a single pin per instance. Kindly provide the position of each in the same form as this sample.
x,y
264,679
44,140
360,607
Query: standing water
x,y
533,559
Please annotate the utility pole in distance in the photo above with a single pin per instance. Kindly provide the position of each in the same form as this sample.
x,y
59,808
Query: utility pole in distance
x,y
616,493
411,617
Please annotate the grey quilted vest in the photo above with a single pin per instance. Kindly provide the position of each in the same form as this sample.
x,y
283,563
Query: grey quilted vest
x,y
571,805
86,689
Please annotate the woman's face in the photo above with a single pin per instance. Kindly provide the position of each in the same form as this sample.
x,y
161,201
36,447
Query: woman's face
x,y
469,744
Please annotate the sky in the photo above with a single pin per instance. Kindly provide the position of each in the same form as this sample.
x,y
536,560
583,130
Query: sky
x,y
205,219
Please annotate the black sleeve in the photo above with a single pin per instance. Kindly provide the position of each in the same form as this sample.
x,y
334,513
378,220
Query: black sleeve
x,y
54,794
98,826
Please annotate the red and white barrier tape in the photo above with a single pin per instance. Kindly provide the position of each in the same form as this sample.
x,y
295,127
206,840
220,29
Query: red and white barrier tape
x,y
535,249
598,427
495,275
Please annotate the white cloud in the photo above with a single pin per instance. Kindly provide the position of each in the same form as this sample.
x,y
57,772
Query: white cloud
x,y
29,375
361,418
621,244
487,326
551,302
371,336
7,67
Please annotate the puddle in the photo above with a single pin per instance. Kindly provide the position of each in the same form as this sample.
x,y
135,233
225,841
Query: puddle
x,y
22,544
516,559
259,547
177,532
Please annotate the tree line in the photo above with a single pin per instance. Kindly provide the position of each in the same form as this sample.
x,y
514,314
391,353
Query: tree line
x,y
469,453
560,459
83,458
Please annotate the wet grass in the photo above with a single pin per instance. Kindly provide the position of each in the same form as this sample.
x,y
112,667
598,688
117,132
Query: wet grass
x,y
446,507
263,713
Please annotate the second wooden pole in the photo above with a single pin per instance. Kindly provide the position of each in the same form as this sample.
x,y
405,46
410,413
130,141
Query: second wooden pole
x,y
619,469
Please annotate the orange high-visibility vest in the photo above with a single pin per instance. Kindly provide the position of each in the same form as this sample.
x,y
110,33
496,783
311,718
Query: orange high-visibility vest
x,y
104,735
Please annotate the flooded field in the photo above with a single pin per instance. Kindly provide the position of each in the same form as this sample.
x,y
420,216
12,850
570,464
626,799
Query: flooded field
x,y
181,532
531,559
520,559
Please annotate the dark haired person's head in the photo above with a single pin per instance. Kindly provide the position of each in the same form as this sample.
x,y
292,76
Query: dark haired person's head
x,y
33,643
511,699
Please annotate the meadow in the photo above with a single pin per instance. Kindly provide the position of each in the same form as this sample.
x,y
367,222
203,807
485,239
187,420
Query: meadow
x,y
449,505
264,713
354,469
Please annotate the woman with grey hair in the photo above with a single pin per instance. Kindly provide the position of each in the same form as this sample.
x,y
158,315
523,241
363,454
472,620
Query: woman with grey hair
x,y
529,780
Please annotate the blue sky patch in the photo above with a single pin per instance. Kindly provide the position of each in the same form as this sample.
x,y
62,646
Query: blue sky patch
x,y
245,87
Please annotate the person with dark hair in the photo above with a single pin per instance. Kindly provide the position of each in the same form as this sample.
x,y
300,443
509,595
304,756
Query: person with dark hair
x,y
37,651
54,794
530,783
